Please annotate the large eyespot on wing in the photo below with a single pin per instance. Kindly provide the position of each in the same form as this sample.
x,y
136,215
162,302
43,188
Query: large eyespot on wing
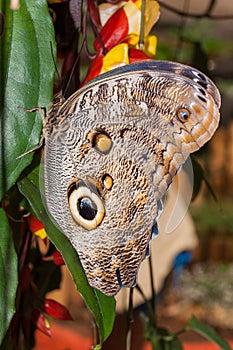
x,y
85,204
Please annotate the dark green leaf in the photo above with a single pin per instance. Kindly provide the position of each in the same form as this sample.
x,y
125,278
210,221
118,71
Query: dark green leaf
x,y
103,307
7,341
8,274
207,332
107,305
167,340
160,338
26,78
199,176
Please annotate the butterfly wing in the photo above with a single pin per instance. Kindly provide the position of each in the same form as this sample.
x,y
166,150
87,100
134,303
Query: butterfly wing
x,y
111,153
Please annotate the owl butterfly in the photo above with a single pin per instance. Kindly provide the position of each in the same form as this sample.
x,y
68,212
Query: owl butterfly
x,y
111,152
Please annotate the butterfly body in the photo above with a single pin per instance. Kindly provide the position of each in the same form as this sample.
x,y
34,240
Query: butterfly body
x,y
111,152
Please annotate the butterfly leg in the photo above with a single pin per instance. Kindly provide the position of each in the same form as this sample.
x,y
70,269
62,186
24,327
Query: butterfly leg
x,y
42,111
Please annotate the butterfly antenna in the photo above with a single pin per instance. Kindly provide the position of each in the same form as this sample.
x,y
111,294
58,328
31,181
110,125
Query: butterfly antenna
x,y
72,70
54,61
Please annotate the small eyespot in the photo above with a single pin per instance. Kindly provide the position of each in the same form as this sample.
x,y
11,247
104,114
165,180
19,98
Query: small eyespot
x,y
101,141
107,181
183,114
86,206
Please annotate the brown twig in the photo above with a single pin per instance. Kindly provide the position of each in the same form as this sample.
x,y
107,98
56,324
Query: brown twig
x,y
207,13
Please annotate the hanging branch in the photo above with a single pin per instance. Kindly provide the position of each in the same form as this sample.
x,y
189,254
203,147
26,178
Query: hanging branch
x,y
197,15
210,7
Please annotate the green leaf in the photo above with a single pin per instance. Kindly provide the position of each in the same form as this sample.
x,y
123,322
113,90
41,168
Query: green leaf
x,y
199,176
8,275
163,339
97,347
160,338
102,306
107,305
26,81
207,332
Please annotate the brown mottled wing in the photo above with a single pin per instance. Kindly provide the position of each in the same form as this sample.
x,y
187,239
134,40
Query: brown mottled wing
x,y
111,154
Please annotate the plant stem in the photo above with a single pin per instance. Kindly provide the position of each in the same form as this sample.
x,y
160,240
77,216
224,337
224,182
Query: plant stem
x,y
130,320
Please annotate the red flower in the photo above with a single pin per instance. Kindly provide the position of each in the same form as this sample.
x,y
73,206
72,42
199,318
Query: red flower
x,y
136,55
36,226
111,37
41,322
57,258
56,310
